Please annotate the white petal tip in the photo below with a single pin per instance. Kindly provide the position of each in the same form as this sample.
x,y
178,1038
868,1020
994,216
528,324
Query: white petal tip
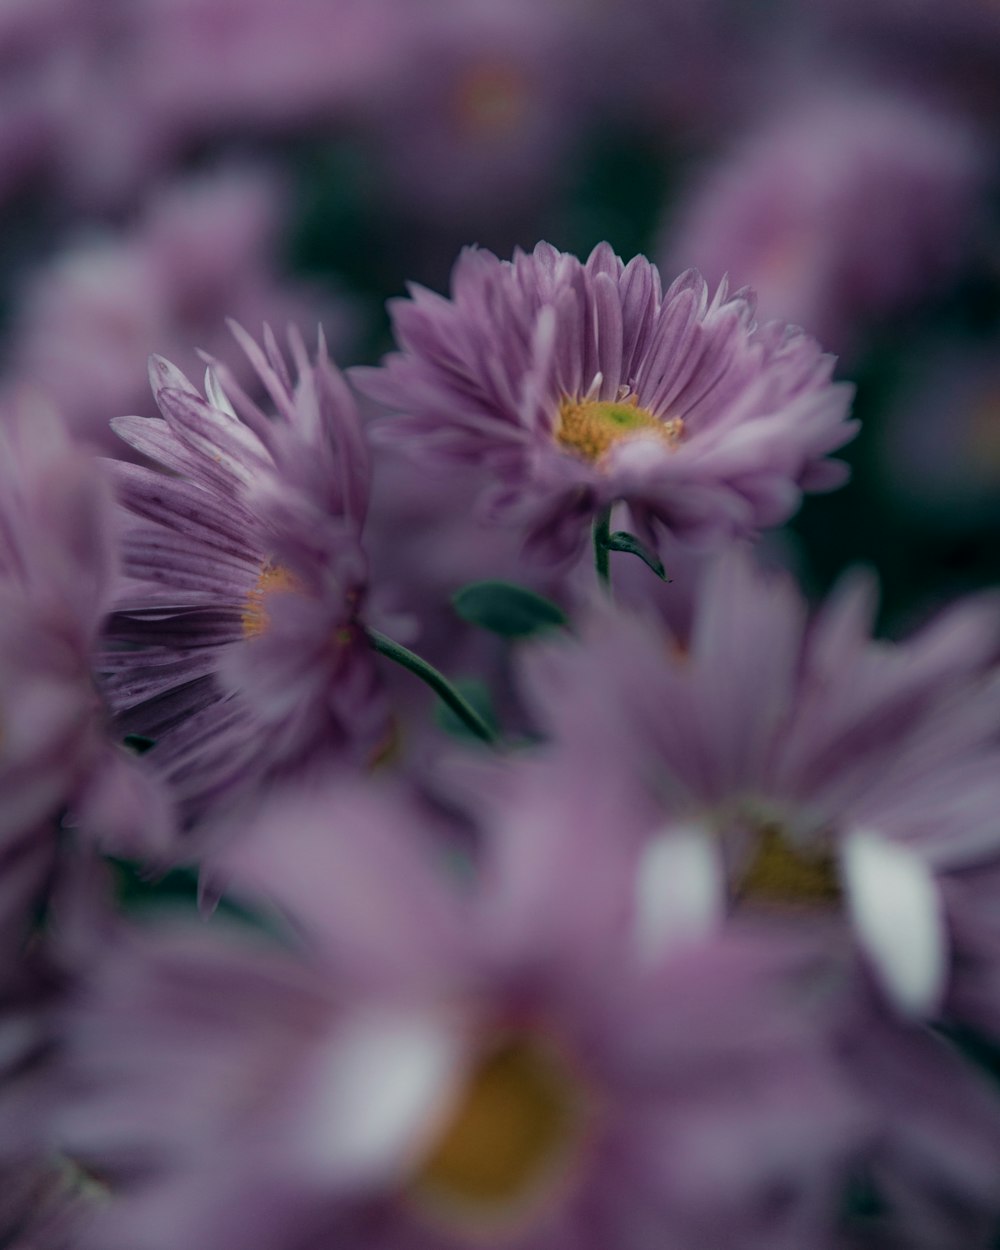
x,y
679,891
896,909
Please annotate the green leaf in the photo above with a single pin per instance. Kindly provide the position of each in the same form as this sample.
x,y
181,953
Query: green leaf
x,y
477,695
139,744
622,540
506,609
144,891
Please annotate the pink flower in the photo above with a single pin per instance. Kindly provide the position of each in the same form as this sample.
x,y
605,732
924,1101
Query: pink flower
x,y
581,384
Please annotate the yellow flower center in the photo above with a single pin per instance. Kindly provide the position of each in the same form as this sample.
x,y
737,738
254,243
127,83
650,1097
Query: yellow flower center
x,y
590,428
272,577
781,874
512,1131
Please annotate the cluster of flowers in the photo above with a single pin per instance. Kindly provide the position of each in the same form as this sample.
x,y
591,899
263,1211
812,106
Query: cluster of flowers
x,y
837,158
695,948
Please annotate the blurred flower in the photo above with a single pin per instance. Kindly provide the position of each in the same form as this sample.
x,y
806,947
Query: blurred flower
x,y
204,250
60,773
57,565
204,65
239,644
926,1179
840,208
108,95
792,766
408,1078
484,111
922,1169
580,385
43,1197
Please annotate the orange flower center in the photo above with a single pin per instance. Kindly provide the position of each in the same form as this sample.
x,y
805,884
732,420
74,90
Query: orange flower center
x,y
272,577
590,428
512,1131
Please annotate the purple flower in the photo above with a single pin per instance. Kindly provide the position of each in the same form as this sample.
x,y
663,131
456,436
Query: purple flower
x,y
57,564
927,1178
238,643
843,207
793,766
89,318
431,1066
583,384
488,134
42,1196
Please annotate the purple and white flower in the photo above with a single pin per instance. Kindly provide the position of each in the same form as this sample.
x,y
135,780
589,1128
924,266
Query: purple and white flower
x,y
794,766
583,384
430,1066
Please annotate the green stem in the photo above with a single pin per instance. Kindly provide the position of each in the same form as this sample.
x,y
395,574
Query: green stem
x,y
437,681
602,550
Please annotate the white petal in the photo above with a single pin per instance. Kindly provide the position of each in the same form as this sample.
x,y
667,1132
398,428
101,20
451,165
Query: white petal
x,y
679,890
384,1084
216,396
896,909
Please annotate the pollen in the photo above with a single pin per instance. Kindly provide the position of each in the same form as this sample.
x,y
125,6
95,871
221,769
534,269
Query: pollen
x,y
780,874
272,578
512,1131
590,428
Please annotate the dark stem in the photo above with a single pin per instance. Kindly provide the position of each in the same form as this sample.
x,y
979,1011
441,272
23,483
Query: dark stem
x,y
437,681
602,549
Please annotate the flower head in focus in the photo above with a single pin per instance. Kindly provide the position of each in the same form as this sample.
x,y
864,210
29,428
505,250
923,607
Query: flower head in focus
x,y
237,645
582,384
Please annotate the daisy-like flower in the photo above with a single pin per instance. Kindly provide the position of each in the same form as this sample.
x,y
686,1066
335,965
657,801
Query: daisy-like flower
x,y
582,384
438,1068
795,766
237,646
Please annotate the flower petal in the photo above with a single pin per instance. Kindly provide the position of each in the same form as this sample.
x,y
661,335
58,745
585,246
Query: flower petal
x,y
896,908
679,891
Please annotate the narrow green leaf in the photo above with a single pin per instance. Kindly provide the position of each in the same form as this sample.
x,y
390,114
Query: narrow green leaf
x,y
506,609
139,744
477,695
622,540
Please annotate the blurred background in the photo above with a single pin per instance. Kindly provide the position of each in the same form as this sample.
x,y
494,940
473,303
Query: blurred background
x,y
167,163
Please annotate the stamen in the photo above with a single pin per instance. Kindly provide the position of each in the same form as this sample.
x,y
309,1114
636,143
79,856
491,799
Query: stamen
x,y
590,428
272,578
511,1132
780,873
